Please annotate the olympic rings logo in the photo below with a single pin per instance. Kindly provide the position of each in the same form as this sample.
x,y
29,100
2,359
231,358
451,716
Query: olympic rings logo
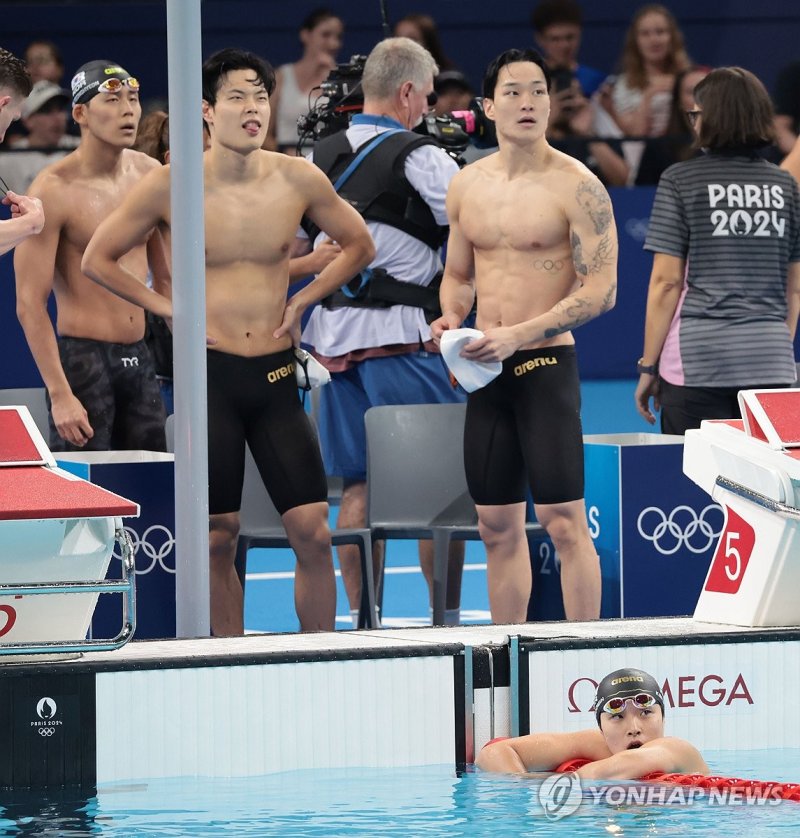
x,y
636,228
156,543
46,731
683,527
548,264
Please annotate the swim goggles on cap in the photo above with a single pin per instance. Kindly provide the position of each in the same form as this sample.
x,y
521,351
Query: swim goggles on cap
x,y
114,85
641,701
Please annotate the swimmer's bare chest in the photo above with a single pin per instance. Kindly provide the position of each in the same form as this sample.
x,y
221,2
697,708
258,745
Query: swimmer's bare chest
x,y
505,219
250,227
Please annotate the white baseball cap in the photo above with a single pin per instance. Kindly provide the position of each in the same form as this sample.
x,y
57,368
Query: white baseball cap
x,y
471,375
43,91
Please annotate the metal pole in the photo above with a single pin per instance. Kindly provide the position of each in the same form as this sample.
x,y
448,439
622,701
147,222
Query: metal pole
x,y
189,300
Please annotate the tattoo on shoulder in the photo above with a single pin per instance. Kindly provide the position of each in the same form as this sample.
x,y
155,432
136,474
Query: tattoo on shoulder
x,y
593,199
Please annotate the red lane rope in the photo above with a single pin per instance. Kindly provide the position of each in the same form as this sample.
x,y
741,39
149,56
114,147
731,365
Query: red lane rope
x,y
756,788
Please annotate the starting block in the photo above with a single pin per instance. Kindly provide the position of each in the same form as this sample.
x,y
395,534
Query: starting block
x,y
751,467
57,536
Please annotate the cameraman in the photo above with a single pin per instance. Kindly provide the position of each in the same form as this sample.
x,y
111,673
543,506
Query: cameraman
x,y
375,338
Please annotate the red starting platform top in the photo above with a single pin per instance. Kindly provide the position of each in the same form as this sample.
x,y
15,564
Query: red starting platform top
x,y
773,416
32,487
30,492
20,440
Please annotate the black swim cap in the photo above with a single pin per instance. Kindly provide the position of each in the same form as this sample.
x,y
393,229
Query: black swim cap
x,y
624,683
91,75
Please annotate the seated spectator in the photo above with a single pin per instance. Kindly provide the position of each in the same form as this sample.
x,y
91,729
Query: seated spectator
x,y
453,91
44,114
638,99
677,144
557,26
571,126
321,36
44,62
787,107
571,130
422,29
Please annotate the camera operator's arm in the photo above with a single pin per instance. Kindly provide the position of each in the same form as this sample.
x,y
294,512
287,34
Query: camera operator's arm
x,y
306,261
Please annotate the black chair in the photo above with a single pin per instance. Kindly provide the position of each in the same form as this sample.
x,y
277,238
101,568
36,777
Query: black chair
x,y
416,485
260,525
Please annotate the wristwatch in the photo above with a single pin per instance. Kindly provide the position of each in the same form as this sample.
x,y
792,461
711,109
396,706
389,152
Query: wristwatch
x,y
647,369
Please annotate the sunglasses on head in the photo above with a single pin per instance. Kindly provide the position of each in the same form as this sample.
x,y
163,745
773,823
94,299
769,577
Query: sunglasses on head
x,y
641,701
114,85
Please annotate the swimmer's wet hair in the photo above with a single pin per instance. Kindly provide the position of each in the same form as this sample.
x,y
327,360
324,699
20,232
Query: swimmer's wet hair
x,y
511,56
216,66
14,74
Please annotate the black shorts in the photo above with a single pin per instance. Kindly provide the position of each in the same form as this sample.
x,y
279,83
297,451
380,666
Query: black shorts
x,y
116,384
684,408
255,400
525,428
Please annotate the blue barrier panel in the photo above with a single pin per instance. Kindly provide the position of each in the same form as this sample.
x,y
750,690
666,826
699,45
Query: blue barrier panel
x,y
18,368
609,346
654,530
546,602
658,526
151,484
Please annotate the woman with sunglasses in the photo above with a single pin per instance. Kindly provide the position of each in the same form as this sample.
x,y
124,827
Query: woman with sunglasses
x,y
628,744
724,292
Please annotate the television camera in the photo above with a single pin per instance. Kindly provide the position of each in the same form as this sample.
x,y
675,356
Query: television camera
x,y
341,96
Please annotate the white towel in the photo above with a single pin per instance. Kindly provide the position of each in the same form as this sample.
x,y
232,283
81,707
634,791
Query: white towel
x,y
471,375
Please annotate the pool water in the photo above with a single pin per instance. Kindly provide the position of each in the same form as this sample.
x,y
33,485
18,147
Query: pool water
x,y
429,801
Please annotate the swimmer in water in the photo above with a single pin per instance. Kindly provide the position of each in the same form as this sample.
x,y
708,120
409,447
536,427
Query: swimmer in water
x,y
628,744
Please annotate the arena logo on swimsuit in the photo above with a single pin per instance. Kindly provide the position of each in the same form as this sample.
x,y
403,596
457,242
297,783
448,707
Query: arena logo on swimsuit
x,y
686,691
532,363
281,372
